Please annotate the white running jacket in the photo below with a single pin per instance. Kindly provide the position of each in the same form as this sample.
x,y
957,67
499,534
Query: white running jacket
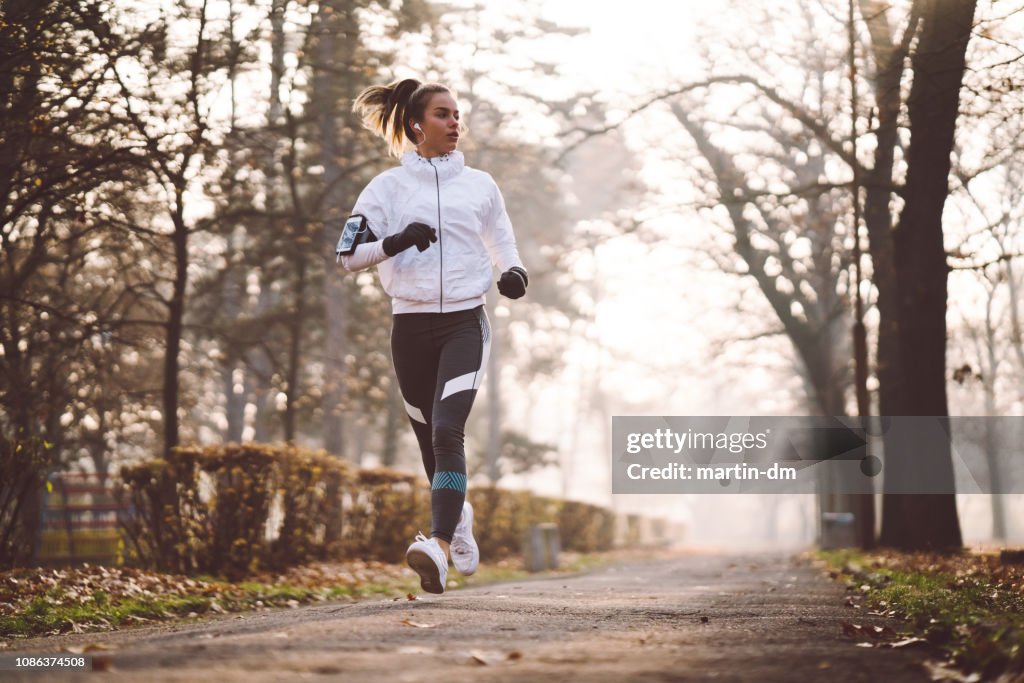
x,y
473,231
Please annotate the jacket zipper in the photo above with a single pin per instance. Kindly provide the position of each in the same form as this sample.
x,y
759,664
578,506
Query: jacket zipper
x,y
440,244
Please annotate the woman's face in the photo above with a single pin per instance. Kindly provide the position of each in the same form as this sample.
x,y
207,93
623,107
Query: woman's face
x,y
439,129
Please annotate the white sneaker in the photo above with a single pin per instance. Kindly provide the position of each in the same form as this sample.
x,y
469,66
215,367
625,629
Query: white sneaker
x,y
427,559
464,550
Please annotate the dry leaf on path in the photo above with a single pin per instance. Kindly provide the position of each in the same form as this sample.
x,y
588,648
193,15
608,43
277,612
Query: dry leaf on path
x,y
907,641
484,658
89,647
416,624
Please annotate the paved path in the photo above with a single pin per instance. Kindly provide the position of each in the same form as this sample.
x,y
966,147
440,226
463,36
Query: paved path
x,y
687,618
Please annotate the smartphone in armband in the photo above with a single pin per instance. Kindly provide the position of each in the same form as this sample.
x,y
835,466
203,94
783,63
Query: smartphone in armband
x,y
356,231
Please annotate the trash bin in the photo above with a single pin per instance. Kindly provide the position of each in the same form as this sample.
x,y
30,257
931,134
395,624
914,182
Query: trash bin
x,y
540,551
838,530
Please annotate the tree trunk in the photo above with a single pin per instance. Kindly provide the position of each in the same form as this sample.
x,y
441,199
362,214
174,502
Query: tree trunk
x,y
295,349
260,368
993,443
175,321
393,419
913,522
337,37
1016,334
889,59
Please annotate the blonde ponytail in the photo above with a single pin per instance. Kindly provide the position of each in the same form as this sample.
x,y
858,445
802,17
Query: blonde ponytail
x,y
386,109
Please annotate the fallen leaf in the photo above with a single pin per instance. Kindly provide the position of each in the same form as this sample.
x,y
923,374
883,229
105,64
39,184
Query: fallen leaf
x,y
416,624
410,597
907,641
484,658
514,655
98,647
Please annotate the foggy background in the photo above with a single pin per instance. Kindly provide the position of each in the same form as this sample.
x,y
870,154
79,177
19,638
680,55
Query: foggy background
x,y
194,166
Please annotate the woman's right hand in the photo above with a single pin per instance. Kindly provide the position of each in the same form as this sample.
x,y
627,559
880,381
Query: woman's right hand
x,y
419,234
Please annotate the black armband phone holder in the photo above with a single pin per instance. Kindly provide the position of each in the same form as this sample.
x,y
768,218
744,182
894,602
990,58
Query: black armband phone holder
x,y
356,231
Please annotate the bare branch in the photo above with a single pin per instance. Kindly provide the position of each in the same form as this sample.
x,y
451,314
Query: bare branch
x,y
817,127
982,266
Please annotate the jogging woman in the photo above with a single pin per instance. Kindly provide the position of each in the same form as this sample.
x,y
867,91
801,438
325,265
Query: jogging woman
x,y
433,227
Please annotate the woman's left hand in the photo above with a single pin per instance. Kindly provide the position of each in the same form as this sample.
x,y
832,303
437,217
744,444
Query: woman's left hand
x,y
513,282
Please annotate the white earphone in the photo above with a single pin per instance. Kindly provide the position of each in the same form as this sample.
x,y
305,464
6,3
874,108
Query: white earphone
x,y
417,127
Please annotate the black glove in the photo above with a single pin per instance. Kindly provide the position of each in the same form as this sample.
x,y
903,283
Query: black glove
x,y
419,234
513,282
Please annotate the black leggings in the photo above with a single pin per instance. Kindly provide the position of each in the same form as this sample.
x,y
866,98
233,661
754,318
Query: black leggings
x,y
440,360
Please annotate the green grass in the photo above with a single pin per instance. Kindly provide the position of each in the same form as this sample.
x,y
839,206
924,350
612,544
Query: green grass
x,y
41,617
974,620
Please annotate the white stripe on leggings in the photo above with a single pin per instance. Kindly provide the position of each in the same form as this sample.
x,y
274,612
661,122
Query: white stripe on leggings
x,y
471,380
414,412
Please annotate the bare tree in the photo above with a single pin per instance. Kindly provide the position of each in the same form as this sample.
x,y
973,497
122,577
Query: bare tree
x,y
174,131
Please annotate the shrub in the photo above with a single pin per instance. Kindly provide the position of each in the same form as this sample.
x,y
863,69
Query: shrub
x,y
310,495
586,528
386,509
24,463
509,516
166,524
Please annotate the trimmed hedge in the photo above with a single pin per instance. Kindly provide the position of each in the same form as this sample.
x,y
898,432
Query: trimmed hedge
x,y
235,508
208,510
585,528
385,509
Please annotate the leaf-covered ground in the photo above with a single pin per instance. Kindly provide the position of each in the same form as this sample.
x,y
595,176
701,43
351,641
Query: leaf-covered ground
x,y
37,602
967,607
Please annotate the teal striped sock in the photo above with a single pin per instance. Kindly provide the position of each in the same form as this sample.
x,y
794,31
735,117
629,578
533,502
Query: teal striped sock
x,y
447,494
455,481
